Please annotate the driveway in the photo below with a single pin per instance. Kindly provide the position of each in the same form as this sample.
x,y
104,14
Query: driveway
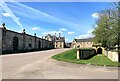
x,y
40,65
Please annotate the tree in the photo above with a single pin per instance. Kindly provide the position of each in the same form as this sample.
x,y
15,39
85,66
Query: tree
x,y
107,28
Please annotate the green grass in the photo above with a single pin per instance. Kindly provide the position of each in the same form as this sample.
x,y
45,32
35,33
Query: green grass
x,y
70,56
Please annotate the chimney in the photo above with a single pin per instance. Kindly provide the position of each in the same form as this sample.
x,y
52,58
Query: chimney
x,y
59,34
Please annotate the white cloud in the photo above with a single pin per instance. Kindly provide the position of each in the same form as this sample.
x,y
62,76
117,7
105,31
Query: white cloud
x,y
95,15
63,29
6,14
71,33
46,14
11,14
87,35
52,32
35,28
31,13
90,31
18,18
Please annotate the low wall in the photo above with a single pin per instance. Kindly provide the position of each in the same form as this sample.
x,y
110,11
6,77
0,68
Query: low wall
x,y
85,53
112,55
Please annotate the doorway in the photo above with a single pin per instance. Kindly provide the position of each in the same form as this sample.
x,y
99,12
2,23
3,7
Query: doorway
x,y
99,51
15,43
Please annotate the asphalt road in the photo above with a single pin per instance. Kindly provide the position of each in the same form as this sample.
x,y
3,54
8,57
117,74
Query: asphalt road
x,y
40,65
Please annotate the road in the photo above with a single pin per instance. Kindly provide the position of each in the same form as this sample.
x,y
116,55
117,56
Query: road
x,y
40,65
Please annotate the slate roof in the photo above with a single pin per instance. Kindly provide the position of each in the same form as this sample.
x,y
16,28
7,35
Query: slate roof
x,y
52,37
84,40
58,39
61,39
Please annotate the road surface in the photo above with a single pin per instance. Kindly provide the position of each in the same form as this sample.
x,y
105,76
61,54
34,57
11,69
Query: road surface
x,y
40,65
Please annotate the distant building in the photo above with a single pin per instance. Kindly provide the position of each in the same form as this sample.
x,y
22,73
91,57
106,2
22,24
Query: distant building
x,y
67,45
82,43
58,42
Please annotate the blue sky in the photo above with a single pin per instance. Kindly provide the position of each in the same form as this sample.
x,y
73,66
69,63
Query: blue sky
x,y
71,19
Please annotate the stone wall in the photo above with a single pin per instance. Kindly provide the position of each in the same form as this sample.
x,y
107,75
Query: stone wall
x,y
82,44
11,40
7,42
103,49
74,44
0,40
59,44
85,44
112,55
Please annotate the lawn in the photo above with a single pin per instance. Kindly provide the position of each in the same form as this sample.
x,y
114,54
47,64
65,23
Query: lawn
x,y
70,56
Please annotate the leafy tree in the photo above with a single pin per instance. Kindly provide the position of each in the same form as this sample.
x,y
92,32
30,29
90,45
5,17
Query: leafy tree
x,y
107,28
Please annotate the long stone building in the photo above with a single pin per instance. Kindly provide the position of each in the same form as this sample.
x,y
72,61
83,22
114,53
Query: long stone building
x,y
82,43
14,41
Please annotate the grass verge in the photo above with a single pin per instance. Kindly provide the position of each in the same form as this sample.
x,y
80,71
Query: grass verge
x,y
70,56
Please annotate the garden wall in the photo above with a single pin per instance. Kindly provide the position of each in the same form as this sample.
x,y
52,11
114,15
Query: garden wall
x,y
112,55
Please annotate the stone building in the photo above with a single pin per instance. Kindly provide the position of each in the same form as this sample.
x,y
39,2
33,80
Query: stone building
x,y
58,42
82,43
14,41
68,45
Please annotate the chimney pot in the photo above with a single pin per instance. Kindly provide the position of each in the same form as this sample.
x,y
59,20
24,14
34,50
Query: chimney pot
x,y
59,34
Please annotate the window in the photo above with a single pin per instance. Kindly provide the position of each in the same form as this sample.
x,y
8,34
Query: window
x,y
61,46
30,45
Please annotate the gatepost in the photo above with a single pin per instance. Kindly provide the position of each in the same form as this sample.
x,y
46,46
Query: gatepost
x,y
78,53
